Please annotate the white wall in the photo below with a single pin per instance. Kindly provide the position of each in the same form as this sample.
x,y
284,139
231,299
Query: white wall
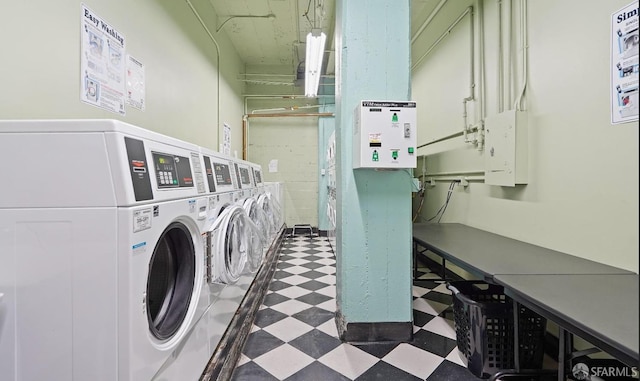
x,y
582,195
40,68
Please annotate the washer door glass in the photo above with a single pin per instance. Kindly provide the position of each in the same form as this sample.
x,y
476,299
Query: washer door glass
x,y
171,281
276,211
258,231
257,216
229,242
265,204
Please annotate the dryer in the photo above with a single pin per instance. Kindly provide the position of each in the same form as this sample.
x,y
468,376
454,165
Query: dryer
x,y
102,263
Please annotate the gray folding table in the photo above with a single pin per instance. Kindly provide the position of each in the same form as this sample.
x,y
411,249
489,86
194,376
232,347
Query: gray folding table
x,y
600,308
549,282
487,254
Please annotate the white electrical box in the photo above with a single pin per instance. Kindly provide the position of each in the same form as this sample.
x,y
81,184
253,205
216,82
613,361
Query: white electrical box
x,y
385,134
506,149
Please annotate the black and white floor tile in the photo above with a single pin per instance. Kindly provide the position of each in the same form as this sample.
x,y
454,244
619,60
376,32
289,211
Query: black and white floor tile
x,y
294,335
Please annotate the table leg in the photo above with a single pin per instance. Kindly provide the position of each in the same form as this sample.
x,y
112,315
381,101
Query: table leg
x,y
516,336
561,353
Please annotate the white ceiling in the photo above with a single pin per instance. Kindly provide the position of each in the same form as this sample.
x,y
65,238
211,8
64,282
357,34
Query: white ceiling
x,y
273,48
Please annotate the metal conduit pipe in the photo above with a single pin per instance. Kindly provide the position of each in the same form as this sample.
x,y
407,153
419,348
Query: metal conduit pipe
x,y
500,61
472,80
450,136
481,96
454,173
447,137
293,114
509,28
525,53
258,96
458,178
292,108
245,123
463,180
195,12
468,10
442,36
427,21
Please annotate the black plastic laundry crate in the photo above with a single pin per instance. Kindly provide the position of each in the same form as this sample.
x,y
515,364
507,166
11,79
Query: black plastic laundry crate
x,y
483,317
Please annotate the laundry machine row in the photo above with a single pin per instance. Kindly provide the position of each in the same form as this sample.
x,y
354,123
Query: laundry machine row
x,y
123,253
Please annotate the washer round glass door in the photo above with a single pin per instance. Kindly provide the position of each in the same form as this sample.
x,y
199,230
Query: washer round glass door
x,y
259,231
257,215
170,282
229,242
264,202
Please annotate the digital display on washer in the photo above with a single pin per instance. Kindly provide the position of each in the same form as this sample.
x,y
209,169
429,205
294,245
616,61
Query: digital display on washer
x,y
235,165
223,174
257,175
172,171
210,175
244,176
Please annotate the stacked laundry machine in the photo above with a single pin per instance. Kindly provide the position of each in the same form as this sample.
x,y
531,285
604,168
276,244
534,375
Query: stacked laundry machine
x,y
124,253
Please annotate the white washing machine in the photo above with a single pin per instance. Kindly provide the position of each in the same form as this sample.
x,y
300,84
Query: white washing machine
x,y
245,177
257,215
228,244
261,221
256,170
102,263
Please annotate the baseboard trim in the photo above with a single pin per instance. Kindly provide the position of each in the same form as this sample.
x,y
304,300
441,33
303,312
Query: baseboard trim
x,y
374,332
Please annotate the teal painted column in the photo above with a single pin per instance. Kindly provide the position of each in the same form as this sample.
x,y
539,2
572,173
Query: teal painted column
x,y
373,253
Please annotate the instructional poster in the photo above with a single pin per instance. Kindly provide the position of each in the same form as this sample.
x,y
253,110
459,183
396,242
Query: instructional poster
x,y
102,63
226,139
625,42
135,83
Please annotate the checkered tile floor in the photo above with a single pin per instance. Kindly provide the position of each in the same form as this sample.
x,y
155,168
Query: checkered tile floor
x,y
294,335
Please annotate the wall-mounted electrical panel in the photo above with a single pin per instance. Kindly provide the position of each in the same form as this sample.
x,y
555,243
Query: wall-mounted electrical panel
x,y
385,134
506,149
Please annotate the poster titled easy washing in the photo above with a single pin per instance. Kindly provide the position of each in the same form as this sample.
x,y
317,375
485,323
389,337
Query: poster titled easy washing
x,y
102,63
625,42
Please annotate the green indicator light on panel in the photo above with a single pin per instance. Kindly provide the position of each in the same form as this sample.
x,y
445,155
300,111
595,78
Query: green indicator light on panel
x,y
410,149
375,155
394,118
394,155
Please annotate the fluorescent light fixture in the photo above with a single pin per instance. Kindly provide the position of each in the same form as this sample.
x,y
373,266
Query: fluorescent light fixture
x,y
313,63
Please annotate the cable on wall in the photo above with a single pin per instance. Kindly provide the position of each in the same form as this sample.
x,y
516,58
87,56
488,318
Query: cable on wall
x,y
443,208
